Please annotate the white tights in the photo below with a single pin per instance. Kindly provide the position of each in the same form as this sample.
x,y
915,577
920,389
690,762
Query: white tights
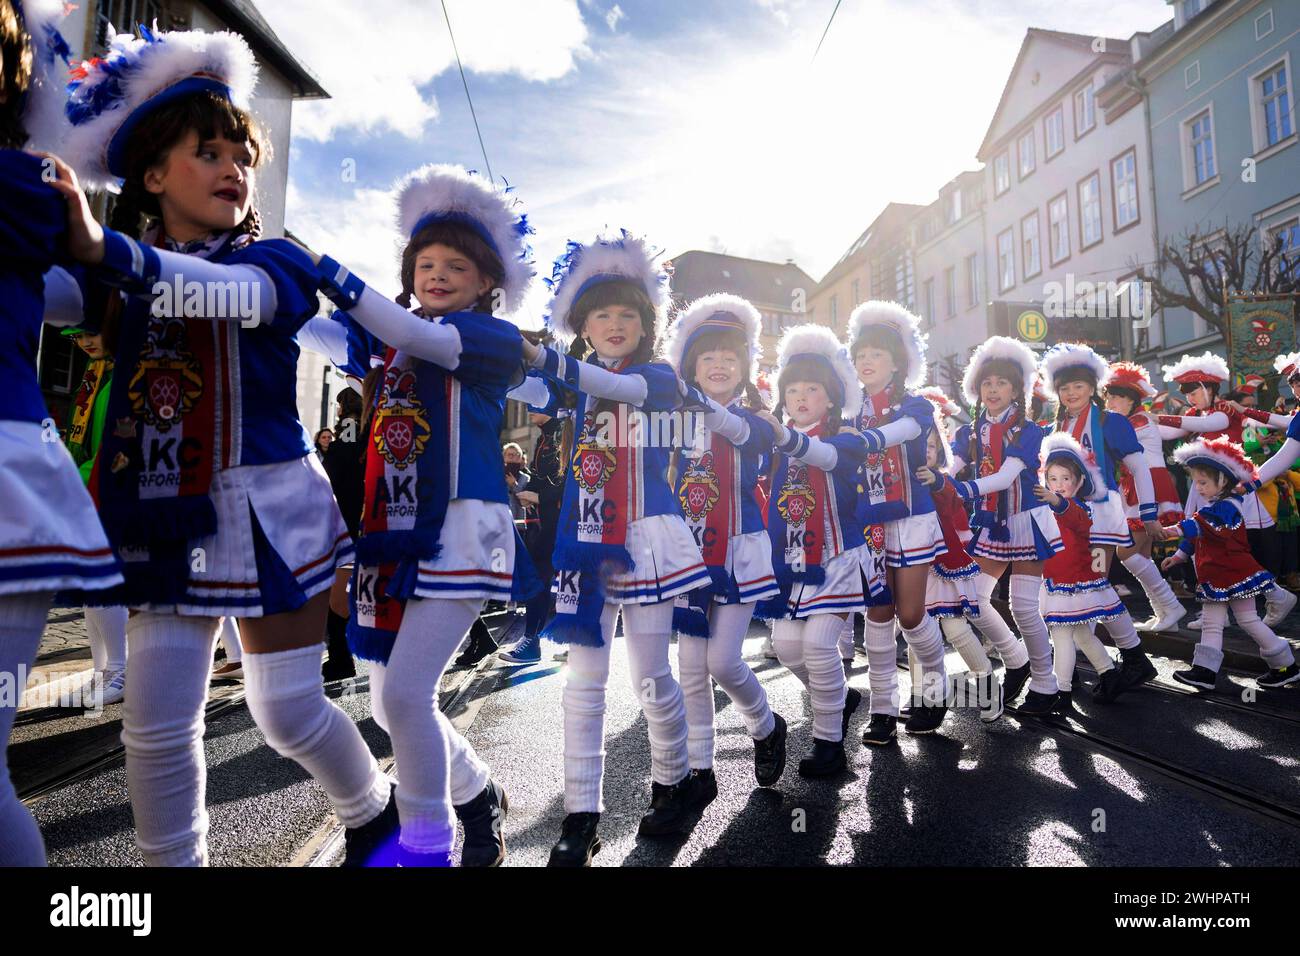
x,y
22,620
647,629
1214,617
106,631
700,661
1065,639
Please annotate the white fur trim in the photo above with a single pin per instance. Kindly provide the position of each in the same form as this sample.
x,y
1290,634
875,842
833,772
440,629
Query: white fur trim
x,y
1000,347
904,323
447,189
1133,376
692,316
1056,443
627,256
43,111
146,69
1070,355
1291,359
1185,454
820,340
1209,363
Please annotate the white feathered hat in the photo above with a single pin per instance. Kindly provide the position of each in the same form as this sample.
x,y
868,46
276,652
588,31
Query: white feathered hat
x,y
43,107
720,312
622,258
109,96
1132,376
1062,445
1286,365
1220,453
1069,355
1197,368
904,324
1003,349
819,343
446,193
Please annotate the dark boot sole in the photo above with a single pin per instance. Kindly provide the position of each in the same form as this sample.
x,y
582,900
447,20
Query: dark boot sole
x,y
574,863
780,767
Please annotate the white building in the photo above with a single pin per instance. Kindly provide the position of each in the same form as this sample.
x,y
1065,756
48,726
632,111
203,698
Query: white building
x,y
1068,188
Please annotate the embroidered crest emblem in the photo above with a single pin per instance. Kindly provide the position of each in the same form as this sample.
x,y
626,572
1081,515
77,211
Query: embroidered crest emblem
x,y
699,491
795,502
401,423
168,382
593,463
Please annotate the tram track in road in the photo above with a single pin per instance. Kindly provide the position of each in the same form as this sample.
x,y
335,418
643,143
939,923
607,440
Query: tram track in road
x,y
107,750
1218,699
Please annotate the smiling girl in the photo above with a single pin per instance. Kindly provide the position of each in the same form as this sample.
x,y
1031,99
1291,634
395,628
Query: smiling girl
x,y
1010,527
205,482
714,345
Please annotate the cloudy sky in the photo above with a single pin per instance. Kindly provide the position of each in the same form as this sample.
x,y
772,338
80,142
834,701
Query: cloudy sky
x,y
704,124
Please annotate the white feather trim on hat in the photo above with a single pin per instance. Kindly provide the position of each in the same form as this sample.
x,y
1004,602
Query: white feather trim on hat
x,y
1286,364
1068,355
904,323
43,108
108,94
1000,348
1056,444
1130,375
605,259
819,340
454,194
1221,453
738,312
1208,365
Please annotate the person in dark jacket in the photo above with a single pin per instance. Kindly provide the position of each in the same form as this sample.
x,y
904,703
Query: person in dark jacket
x,y
344,462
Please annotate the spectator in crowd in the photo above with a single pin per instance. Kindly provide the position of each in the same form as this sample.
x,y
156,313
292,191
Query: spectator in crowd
x,y
344,461
323,439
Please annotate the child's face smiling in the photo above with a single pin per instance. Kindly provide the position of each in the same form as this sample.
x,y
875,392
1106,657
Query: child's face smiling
x,y
875,368
806,403
202,186
613,331
718,374
996,393
447,280
1062,480
1075,396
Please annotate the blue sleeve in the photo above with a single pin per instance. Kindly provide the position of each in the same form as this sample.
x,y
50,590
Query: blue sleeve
x,y
960,446
662,391
491,351
294,276
1293,429
33,217
1027,445
852,448
762,437
1120,438
918,408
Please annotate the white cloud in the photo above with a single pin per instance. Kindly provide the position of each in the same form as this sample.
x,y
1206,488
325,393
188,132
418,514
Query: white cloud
x,y
375,57
613,17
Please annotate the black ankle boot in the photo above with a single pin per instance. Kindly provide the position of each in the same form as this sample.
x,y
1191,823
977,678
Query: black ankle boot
x,y
703,789
769,754
480,645
670,807
578,841
1013,681
339,664
826,759
1109,686
852,700
883,729
1136,669
925,719
374,843
1064,703
484,818
1037,704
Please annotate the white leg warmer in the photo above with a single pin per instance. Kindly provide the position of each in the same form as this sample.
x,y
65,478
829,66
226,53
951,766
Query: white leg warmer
x,y
990,623
586,678
927,642
882,666
729,624
1275,651
964,642
648,628
1025,596
1157,589
697,691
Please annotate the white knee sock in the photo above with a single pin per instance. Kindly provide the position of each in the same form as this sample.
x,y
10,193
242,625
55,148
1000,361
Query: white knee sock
x,y
729,624
106,630
1275,651
1209,650
927,642
286,696
882,666
1063,654
377,674
964,642
826,684
846,637
1025,610
697,692
162,732
587,674
1122,631
230,640
437,768
990,623
1157,589
1093,649
647,629
787,641
22,621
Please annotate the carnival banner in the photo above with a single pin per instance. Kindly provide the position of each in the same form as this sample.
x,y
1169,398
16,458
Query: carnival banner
x,y
1259,330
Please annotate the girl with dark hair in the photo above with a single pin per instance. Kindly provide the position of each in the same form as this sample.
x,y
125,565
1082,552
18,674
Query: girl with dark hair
x,y
1009,526
713,344
621,544
50,538
1074,373
821,559
206,483
888,352
437,539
